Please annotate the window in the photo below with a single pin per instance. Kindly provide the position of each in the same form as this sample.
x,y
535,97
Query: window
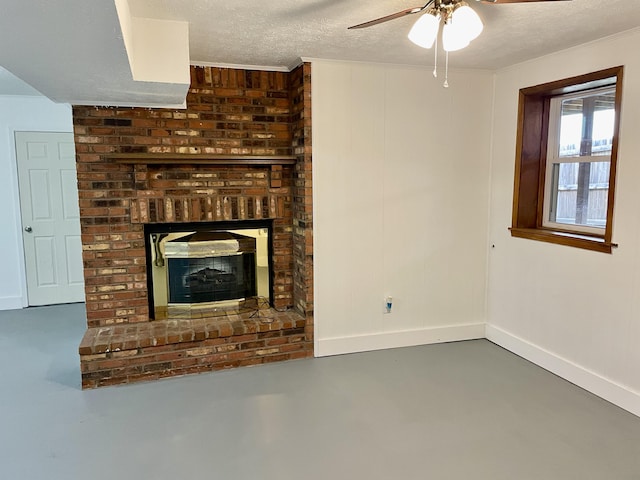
x,y
566,155
578,160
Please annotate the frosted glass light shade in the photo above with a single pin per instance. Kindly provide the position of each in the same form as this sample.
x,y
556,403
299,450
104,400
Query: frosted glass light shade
x,y
424,31
466,19
453,37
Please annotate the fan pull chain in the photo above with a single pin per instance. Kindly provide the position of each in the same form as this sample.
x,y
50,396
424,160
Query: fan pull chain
x,y
446,70
435,61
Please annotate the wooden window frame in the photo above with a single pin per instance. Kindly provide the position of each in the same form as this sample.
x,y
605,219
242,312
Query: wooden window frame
x,y
531,154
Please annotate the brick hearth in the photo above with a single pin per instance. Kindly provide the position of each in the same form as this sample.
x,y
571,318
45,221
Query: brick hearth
x,y
152,350
230,114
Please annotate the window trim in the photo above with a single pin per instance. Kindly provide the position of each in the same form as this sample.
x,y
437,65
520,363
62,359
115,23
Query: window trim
x,y
531,158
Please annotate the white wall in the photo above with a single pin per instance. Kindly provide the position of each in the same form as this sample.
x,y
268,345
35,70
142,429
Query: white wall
x,y
401,186
575,312
19,114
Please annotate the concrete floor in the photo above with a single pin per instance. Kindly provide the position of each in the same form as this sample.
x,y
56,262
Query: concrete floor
x,y
467,410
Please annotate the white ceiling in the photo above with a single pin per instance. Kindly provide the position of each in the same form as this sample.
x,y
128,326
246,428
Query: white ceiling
x,y
73,51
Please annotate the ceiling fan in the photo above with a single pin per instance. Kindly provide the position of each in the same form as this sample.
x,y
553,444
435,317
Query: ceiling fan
x,y
461,24
436,4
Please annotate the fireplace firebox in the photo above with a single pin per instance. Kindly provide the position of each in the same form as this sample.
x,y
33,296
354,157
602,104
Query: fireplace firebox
x,y
202,269
211,267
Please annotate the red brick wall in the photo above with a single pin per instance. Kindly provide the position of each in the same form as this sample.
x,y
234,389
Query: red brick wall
x,y
229,112
302,193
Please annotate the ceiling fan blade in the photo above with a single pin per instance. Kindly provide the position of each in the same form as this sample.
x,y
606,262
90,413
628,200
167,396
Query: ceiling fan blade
x,y
393,16
519,1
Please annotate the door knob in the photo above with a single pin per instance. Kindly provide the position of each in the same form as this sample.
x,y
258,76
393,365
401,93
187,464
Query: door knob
x,y
28,229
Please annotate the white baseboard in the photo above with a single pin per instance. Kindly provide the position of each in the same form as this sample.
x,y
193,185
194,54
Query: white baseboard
x,y
607,389
11,303
403,338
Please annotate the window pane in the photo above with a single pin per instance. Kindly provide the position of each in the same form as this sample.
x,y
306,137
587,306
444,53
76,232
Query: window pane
x,y
586,125
579,193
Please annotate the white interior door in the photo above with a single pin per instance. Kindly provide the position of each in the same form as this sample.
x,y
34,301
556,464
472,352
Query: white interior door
x,y
50,217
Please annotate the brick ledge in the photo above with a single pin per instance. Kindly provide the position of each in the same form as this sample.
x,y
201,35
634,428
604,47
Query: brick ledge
x,y
127,353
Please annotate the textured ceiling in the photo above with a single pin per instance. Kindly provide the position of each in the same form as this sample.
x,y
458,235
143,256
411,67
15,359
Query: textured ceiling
x,y
278,32
73,51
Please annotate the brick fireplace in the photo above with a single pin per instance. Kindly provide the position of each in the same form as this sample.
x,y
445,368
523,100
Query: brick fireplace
x,y
239,153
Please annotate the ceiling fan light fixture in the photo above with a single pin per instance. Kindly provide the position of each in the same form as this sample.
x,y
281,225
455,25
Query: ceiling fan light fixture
x,y
460,25
454,37
466,19
425,30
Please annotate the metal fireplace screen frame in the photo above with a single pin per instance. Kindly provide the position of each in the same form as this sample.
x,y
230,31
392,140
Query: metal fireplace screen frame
x,y
214,277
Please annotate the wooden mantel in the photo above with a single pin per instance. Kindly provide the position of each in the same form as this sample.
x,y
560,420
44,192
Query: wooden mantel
x,y
200,159
175,159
